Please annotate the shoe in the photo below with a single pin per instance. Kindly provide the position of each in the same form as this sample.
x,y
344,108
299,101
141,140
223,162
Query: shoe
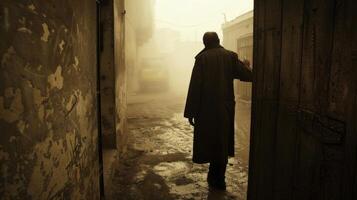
x,y
210,182
218,185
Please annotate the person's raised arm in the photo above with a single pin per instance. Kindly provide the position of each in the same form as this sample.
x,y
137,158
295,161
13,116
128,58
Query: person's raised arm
x,y
241,69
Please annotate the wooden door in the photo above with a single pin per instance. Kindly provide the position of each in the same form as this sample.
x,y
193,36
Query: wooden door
x,y
304,138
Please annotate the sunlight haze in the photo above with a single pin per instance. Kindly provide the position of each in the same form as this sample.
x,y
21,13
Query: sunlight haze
x,y
194,17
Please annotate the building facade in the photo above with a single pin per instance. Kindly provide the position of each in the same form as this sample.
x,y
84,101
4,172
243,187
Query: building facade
x,y
238,37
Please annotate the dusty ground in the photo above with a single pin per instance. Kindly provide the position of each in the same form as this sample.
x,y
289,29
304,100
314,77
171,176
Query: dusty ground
x,y
158,164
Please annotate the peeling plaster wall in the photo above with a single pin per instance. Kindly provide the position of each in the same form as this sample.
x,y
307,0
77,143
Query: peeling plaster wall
x,y
48,124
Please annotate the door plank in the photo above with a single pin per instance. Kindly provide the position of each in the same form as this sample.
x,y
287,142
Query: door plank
x,y
298,148
257,88
265,97
314,156
285,148
317,46
340,103
344,105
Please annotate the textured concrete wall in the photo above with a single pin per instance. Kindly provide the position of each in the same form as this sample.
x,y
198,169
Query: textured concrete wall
x,y
120,74
107,75
48,140
240,27
113,75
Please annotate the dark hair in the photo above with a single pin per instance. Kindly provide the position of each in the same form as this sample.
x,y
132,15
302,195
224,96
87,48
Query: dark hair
x,y
210,39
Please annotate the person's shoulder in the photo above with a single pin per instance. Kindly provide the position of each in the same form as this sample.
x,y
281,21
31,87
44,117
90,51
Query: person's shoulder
x,y
232,53
221,51
199,55
227,52
203,53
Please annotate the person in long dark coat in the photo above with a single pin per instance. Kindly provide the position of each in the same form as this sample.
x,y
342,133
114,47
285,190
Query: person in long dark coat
x,y
210,106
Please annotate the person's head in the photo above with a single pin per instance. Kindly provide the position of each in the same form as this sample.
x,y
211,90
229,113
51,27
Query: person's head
x,y
210,39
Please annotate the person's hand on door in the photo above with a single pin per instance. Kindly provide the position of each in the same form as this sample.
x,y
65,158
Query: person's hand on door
x,y
191,121
247,63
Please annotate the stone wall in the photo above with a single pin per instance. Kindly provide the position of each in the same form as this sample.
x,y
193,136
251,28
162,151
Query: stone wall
x,y
48,117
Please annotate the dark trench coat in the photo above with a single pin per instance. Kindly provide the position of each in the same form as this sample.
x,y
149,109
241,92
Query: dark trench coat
x,y
210,101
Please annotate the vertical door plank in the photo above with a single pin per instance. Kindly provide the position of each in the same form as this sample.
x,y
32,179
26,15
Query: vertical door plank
x,y
271,75
339,103
318,33
306,185
341,66
258,72
316,57
285,148
325,90
343,89
352,119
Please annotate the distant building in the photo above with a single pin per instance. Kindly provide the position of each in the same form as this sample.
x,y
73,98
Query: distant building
x,y
238,37
179,56
139,28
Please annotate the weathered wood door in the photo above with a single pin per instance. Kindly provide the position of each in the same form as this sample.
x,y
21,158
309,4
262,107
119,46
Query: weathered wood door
x,y
304,117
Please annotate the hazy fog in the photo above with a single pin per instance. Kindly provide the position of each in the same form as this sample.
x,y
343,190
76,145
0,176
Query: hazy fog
x,y
194,17
178,27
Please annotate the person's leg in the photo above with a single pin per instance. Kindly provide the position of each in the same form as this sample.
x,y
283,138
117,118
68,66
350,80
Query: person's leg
x,y
212,173
216,175
221,175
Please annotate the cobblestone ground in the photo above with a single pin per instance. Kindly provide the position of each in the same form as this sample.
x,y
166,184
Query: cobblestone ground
x,y
158,162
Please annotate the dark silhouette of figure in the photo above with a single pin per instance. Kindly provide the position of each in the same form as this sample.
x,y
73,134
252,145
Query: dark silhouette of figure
x,y
210,106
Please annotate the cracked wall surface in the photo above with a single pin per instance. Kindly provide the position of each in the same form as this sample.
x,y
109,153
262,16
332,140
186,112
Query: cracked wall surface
x,y
48,123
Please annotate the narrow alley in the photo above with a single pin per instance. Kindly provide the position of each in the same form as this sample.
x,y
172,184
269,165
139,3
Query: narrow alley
x,y
158,162
92,98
